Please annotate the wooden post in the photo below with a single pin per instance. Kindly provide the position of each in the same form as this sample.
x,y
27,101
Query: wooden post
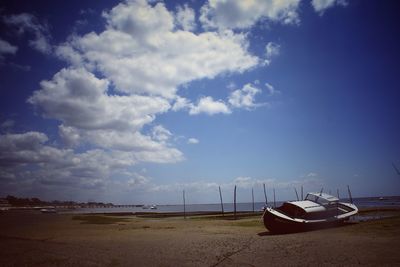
x,y
265,195
337,190
234,203
351,199
184,205
302,197
297,195
222,204
274,199
252,197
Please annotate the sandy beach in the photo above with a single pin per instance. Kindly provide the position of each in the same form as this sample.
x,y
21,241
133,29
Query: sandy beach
x,y
29,238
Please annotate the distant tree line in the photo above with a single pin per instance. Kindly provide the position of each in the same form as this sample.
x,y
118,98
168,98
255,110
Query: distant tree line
x,y
16,201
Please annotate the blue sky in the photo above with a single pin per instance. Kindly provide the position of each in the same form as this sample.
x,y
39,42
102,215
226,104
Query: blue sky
x,y
134,101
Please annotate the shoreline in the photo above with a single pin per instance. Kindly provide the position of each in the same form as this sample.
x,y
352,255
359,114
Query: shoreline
x,y
153,214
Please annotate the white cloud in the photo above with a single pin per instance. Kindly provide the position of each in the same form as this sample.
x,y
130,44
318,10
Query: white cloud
x,y
140,20
185,18
7,48
159,133
28,23
79,99
19,149
28,158
271,89
271,50
69,135
67,53
244,14
90,115
136,180
321,5
140,52
193,141
209,106
181,103
244,98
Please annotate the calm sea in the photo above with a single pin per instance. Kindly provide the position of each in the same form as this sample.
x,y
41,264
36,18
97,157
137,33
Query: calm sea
x,y
366,202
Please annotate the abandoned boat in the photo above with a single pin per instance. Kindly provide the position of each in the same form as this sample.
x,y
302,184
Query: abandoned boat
x,y
317,210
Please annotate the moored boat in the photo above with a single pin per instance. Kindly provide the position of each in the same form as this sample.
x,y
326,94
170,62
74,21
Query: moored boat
x,y
48,210
317,210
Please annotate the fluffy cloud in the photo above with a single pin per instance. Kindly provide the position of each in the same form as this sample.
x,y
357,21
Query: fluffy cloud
x,y
69,135
27,159
137,180
31,147
271,50
22,148
209,106
161,134
79,99
181,103
244,14
244,98
28,23
141,52
185,18
7,48
193,141
89,114
321,5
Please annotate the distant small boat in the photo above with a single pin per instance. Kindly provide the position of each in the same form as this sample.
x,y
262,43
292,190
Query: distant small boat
x,y
153,207
318,210
48,210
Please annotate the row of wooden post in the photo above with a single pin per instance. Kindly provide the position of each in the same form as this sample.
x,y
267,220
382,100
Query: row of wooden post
x,y
252,198
234,201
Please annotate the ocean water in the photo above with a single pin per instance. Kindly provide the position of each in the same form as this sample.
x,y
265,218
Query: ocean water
x,y
366,202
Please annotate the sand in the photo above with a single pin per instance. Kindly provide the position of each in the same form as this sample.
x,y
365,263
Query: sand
x,y
30,238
